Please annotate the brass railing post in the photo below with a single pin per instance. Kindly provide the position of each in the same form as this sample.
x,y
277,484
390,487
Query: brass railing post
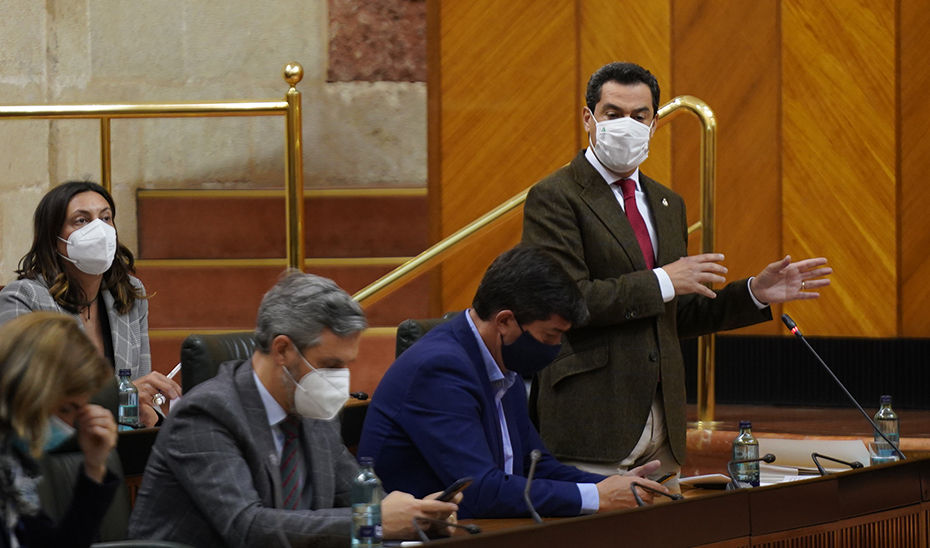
x,y
106,169
383,286
294,175
289,108
707,343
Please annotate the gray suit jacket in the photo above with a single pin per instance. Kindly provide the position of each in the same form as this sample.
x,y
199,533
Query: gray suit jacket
x,y
130,331
595,398
213,477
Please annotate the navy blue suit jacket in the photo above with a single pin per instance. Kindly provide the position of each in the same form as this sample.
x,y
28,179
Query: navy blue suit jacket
x,y
433,420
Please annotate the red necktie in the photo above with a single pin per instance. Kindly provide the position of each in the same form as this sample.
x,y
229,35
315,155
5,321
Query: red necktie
x,y
628,186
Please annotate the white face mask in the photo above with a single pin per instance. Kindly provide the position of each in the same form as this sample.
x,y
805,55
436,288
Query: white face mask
x,y
92,247
321,393
622,143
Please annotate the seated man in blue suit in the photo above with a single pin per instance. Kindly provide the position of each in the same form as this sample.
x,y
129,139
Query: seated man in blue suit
x,y
453,404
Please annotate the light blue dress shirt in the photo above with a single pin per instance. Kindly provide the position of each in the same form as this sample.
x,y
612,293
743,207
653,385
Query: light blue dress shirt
x,y
500,383
276,415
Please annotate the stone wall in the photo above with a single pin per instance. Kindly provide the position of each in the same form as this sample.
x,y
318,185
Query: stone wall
x,y
356,133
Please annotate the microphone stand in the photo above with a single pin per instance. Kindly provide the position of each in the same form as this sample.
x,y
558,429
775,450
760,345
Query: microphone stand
x,y
470,528
794,329
639,501
535,454
734,484
815,456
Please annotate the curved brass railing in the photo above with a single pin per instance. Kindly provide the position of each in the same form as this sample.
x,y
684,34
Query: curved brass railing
x,y
392,281
289,108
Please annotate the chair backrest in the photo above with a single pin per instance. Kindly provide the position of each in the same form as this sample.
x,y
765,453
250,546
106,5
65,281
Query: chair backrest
x,y
59,476
409,331
201,355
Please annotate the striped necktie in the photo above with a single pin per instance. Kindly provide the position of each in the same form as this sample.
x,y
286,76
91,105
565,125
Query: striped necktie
x,y
291,463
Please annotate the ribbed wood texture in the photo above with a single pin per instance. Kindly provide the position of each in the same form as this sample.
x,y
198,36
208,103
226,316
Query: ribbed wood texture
x,y
914,204
838,151
822,126
895,529
508,111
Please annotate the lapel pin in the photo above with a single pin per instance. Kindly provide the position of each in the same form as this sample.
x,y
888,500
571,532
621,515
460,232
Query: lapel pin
x,y
664,202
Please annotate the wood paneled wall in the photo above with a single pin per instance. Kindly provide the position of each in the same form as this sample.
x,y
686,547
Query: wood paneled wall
x,y
822,133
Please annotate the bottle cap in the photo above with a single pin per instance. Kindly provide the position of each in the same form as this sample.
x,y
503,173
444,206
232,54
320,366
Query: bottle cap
x,y
886,399
366,461
125,372
745,424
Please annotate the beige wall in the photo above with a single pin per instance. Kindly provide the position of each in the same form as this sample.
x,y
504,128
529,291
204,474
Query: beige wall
x,y
86,51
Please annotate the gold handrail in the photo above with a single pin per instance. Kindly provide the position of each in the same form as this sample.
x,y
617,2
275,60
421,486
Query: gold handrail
x,y
289,108
707,344
392,281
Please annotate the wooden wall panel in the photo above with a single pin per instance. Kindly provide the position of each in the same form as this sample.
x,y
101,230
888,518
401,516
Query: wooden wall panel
x,y
838,137
822,145
745,97
914,203
507,105
638,32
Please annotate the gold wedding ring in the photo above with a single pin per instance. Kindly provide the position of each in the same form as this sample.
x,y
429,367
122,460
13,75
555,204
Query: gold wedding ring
x,y
802,289
159,399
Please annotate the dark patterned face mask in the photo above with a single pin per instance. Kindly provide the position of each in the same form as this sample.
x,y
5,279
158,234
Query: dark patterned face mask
x,y
526,355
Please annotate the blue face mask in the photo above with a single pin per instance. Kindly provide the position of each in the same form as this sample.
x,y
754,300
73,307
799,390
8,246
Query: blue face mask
x,y
57,432
526,355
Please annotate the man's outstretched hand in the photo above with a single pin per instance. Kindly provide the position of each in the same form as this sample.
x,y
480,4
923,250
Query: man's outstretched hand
x,y
784,281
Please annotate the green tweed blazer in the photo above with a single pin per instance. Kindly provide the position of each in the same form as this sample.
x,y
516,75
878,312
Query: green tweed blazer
x,y
594,400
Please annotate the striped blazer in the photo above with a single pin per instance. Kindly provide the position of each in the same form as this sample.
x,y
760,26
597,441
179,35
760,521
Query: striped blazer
x,y
129,332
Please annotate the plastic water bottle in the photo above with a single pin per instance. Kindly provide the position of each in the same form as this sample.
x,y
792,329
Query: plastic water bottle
x,y
366,506
128,402
745,446
887,421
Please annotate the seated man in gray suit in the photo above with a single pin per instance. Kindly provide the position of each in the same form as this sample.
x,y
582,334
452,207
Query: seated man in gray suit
x,y
252,457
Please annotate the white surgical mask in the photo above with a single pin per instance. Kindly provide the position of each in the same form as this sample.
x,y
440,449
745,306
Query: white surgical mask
x,y
92,247
622,143
321,393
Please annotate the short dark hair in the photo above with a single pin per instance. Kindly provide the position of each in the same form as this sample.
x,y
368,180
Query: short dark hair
x,y
533,285
622,73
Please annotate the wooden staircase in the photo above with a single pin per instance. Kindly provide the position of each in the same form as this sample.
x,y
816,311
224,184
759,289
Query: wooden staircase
x,y
208,256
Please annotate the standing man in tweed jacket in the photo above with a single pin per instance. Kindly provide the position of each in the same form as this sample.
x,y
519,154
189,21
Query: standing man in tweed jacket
x,y
615,396
254,457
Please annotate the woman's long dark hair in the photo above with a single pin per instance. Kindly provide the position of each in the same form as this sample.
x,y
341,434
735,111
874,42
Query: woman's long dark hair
x,y
43,259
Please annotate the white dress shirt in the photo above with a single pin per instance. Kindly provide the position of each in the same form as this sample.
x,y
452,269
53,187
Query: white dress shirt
x,y
665,282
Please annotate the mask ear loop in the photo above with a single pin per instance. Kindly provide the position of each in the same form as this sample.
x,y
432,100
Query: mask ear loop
x,y
312,370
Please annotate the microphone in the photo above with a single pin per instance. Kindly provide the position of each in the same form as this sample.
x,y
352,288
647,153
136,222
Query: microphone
x,y
794,329
360,396
535,454
470,528
814,456
639,501
768,459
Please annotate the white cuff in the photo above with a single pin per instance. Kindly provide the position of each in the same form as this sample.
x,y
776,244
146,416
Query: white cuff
x,y
590,499
759,304
665,284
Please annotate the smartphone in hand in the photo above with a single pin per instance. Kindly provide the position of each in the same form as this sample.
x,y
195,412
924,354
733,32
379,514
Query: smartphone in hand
x,y
457,487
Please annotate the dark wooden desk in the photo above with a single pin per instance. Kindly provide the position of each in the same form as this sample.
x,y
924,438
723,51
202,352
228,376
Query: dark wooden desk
x,y
880,506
